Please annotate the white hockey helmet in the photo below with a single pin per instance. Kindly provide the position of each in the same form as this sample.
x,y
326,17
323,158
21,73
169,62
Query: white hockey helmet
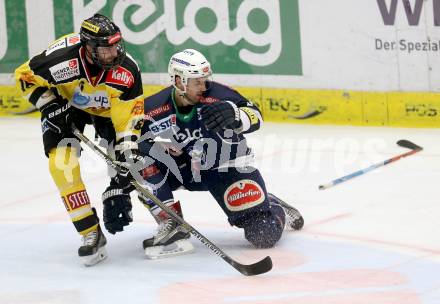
x,y
188,64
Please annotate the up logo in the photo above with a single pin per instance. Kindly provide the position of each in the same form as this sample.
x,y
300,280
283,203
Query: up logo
x,y
96,100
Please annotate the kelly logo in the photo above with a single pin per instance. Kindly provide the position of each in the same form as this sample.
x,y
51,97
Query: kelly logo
x,y
413,10
120,76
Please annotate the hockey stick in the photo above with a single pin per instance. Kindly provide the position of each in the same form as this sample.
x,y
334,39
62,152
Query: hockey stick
x,y
403,143
29,110
309,114
249,270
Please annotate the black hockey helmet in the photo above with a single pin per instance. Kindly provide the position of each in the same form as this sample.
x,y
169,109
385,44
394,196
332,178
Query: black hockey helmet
x,y
100,31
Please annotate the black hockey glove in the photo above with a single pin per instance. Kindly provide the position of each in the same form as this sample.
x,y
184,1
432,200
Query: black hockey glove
x,y
56,115
130,162
220,115
117,209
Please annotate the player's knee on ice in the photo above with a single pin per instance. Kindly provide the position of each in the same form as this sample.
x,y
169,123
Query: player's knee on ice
x,y
264,229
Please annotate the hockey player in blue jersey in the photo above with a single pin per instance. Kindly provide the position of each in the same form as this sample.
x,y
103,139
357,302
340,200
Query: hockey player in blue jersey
x,y
193,138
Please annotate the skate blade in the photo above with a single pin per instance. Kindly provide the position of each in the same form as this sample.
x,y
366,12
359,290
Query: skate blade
x,y
93,259
179,247
294,224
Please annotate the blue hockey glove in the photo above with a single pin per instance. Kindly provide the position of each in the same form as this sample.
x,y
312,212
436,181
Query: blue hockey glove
x,y
220,115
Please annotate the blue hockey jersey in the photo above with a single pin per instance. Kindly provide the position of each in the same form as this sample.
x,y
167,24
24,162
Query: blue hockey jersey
x,y
186,132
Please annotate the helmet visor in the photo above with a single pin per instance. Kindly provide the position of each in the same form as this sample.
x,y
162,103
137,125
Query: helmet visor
x,y
201,84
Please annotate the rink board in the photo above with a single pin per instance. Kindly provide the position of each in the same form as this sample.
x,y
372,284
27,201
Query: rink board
x,y
339,107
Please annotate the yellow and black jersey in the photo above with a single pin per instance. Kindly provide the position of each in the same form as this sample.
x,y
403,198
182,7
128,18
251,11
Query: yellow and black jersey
x,y
63,69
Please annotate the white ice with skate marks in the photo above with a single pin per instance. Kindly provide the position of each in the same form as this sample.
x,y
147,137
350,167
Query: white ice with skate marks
x,y
374,239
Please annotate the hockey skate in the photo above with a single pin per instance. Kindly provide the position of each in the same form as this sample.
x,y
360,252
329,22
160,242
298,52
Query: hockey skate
x,y
93,249
171,240
294,219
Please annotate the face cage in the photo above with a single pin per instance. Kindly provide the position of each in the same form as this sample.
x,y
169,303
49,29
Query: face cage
x,y
115,63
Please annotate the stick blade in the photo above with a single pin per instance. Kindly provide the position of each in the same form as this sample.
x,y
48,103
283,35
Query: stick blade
x,y
322,187
257,268
408,144
307,115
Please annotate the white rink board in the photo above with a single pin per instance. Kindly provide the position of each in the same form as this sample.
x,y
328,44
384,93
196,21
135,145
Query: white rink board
x,y
345,44
339,51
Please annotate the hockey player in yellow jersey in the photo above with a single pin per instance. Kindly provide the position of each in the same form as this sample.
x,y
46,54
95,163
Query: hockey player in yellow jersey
x,y
87,78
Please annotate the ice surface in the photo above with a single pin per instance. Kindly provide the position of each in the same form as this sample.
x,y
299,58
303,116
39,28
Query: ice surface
x,y
374,239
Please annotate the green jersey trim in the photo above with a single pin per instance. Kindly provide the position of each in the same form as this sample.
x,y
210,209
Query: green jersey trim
x,y
182,117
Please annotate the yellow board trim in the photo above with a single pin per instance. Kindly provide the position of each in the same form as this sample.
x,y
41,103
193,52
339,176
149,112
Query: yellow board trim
x,y
334,107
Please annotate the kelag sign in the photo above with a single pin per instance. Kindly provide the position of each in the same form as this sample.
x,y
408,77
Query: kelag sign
x,y
238,36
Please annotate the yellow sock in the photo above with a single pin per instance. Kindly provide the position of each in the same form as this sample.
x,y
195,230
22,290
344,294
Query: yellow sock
x,y
65,170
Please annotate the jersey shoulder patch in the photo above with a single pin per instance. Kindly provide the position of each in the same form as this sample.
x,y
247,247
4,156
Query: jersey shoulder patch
x,y
65,70
63,42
